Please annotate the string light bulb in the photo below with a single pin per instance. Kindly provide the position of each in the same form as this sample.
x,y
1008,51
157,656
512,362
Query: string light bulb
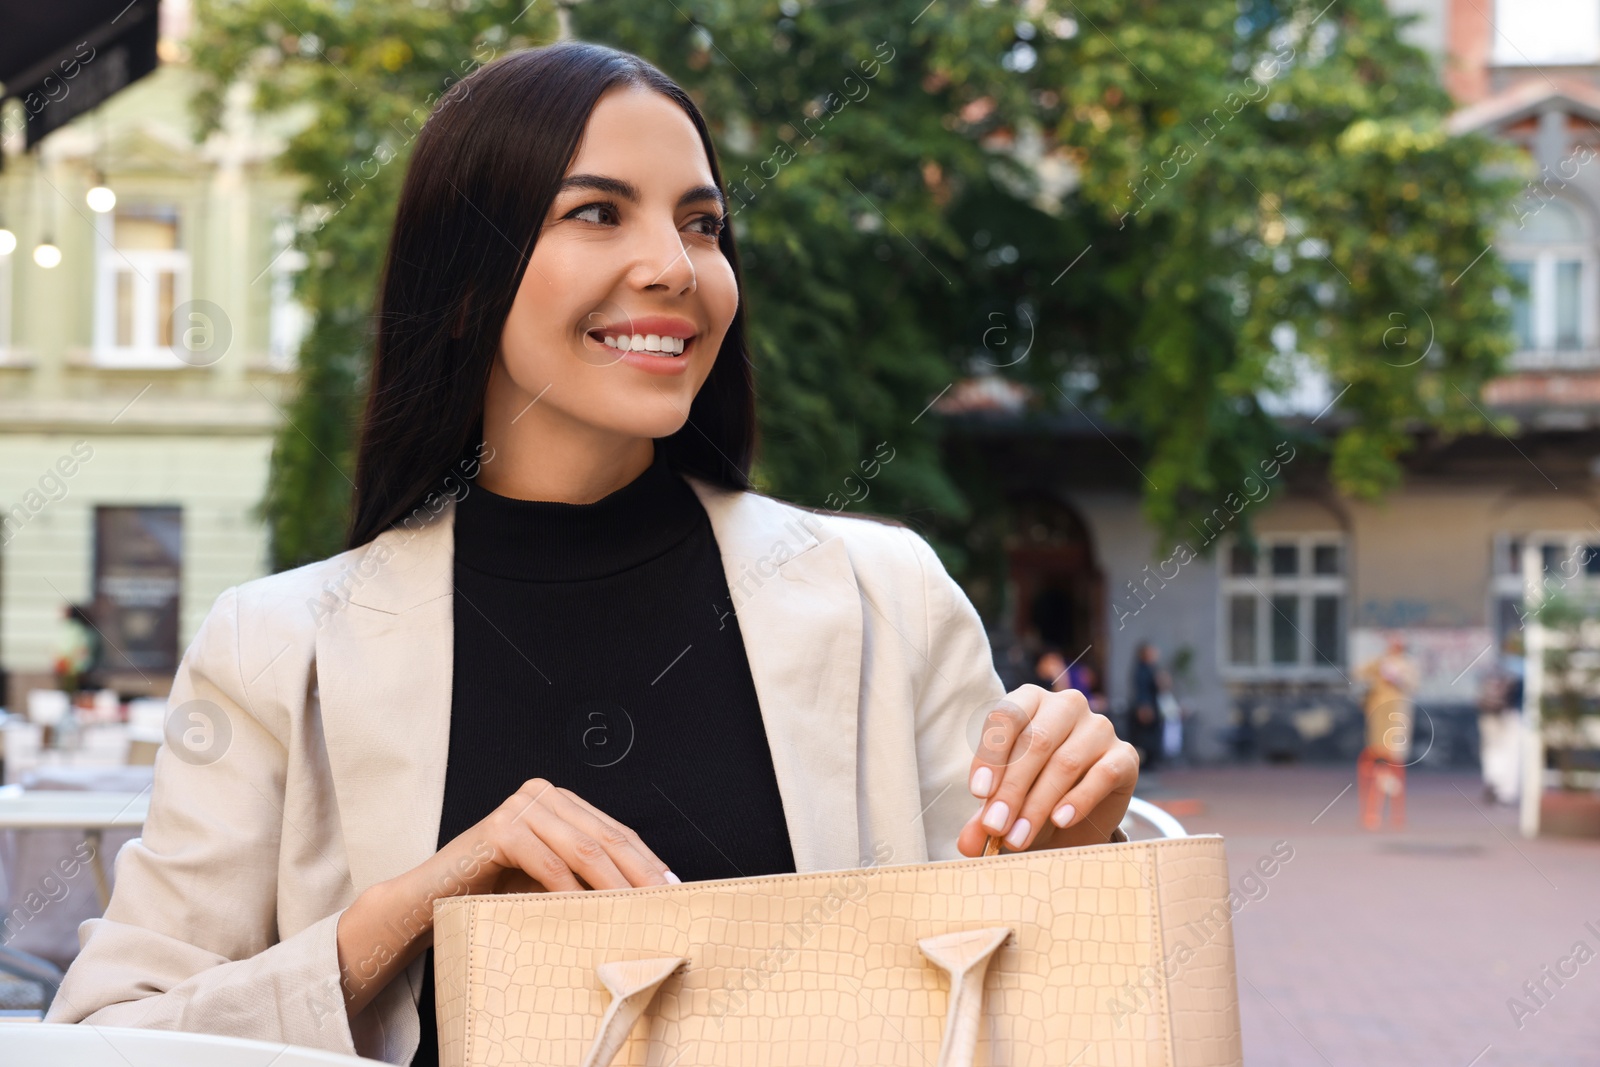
x,y
8,242
47,255
100,198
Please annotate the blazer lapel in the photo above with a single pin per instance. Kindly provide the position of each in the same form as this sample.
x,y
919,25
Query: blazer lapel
x,y
385,659
799,614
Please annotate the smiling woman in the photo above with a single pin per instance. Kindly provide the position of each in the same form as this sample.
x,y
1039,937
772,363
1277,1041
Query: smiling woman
x,y
568,192
525,680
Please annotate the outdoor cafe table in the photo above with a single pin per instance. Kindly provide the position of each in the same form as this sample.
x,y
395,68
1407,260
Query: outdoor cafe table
x,y
94,813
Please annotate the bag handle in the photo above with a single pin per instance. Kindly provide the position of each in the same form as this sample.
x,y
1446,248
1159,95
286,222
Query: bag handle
x,y
633,985
963,955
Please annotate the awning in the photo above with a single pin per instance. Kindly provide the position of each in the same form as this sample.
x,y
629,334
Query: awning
x,y
63,57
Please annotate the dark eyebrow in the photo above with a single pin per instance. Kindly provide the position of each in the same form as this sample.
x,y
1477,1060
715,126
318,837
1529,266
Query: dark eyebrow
x,y
625,190
600,184
703,192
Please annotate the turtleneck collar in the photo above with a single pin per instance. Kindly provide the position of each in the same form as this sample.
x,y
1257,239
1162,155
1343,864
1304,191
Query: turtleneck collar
x,y
551,541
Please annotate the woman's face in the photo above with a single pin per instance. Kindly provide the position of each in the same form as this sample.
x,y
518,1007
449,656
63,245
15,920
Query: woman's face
x,y
626,270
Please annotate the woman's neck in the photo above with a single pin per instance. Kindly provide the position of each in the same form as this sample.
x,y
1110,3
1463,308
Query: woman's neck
x,y
566,464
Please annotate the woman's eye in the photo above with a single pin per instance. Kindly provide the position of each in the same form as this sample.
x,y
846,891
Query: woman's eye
x,y
708,225
597,213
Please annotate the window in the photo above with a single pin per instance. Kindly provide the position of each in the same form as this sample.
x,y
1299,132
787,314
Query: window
x,y
5,305
1283,606
1548,251
287,320
1531,32
142,278
1569,563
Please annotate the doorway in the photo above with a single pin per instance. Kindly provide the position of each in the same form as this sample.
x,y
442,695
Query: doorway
x,y
1058,591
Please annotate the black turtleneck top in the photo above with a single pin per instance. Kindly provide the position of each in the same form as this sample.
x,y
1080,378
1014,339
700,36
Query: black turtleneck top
x,y
596,647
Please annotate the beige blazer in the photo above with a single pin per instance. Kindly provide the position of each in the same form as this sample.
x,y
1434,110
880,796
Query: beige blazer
x,y
328,691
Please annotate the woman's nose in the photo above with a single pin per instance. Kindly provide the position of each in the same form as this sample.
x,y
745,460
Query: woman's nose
x,y
664,263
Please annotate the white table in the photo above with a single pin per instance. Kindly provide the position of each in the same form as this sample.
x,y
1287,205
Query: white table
x,y
25,1044
59,809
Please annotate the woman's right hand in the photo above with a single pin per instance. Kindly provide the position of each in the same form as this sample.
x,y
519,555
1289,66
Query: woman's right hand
x,y
542,837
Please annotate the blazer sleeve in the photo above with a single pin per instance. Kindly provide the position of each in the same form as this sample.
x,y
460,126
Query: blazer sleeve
x,y
189,940
958,684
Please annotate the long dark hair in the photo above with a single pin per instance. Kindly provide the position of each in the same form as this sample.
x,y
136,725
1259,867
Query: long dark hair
x,y
484,172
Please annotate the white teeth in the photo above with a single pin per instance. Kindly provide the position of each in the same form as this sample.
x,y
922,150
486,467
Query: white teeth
x,y
656,343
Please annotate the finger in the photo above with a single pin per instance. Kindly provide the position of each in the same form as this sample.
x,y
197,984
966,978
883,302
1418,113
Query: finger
x,y
636,853
1056,719
973,837
586,855
632,836
1002,724
1114,773
1091,738
525,852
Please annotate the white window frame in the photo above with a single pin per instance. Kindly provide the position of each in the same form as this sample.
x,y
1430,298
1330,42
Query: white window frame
x,y
288,320
1507,582
6,323
1542,259
1263,584
110,261
1545,32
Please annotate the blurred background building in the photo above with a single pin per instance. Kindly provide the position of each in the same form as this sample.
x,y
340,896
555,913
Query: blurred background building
x,y
1264,644
136,419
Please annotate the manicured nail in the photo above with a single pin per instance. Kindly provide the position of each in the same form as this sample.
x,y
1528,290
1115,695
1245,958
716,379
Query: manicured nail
x,y
995,819
982,782
674,879
1063,815
1018,834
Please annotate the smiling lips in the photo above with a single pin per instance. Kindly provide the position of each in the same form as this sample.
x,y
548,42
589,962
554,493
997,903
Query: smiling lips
x,y
663,337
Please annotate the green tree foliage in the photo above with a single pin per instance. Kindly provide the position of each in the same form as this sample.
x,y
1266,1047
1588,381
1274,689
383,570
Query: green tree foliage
x,y
363,78
1170,208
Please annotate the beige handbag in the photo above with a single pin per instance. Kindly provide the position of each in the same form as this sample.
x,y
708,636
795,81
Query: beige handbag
x,y
1104,954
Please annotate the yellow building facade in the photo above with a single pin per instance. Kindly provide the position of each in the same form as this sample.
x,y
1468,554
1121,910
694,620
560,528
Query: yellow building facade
x,y
142,376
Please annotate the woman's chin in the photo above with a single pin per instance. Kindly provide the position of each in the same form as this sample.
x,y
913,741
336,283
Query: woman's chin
x,y
649,423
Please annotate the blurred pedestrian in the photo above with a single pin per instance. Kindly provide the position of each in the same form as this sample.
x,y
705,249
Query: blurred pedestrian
x,y
1391,680
1145,727
1055,674
75,648
1500,724
1050,669
1380,771
1086,680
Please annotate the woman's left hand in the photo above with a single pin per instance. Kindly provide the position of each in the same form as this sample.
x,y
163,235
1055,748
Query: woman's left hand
x,y
1052,774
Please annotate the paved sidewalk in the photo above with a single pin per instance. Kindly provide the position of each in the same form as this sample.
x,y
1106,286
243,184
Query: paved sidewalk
x,y
1402,948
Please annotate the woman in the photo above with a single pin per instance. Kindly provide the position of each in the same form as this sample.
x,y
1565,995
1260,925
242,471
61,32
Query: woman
x,y
568,648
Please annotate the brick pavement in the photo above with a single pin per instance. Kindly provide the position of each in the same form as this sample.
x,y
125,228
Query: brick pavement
x,y
1402,948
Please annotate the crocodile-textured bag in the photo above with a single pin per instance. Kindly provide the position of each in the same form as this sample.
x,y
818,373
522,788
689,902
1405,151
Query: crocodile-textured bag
x,y
1105,954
